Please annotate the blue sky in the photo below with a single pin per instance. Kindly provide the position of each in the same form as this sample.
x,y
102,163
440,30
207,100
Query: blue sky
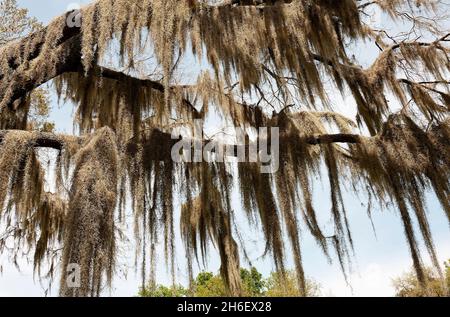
x,y
378,258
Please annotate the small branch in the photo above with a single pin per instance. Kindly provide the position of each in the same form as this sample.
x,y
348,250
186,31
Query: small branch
x,y
334,138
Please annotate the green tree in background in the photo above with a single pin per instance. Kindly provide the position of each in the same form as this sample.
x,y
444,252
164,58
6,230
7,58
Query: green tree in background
x,y
164,291
135,72
253,282
279,286
209,285
447,274
254,285
40,111
407,285
15,24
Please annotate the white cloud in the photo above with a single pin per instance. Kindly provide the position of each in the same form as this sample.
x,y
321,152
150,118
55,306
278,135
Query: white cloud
x,y
375,279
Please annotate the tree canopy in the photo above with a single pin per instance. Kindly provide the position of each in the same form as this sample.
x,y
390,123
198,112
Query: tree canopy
x,y
15,22
262,64
207,284
407,284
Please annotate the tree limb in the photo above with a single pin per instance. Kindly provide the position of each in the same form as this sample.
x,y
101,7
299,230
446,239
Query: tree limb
x,y
57,141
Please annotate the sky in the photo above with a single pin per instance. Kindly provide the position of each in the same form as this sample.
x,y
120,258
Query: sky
x,y
379,257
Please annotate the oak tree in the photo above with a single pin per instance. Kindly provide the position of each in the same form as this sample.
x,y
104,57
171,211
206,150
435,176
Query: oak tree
x,y
259,64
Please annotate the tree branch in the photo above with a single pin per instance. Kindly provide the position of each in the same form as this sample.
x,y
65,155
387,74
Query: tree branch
x,y
43,139
57,141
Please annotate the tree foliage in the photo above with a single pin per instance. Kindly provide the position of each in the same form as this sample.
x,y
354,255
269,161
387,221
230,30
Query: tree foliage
x,y
263,64
15,24
407,285
207,284
278,285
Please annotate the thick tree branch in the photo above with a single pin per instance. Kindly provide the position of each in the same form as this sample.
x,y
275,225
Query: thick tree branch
x,y
333,138
43,139
71,59
254,2
69,62
104,72
57,141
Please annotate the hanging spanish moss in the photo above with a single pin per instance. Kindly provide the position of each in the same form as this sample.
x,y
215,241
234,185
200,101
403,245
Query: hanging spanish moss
x,y
34,216
89,239
259,64
208,218
402,163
